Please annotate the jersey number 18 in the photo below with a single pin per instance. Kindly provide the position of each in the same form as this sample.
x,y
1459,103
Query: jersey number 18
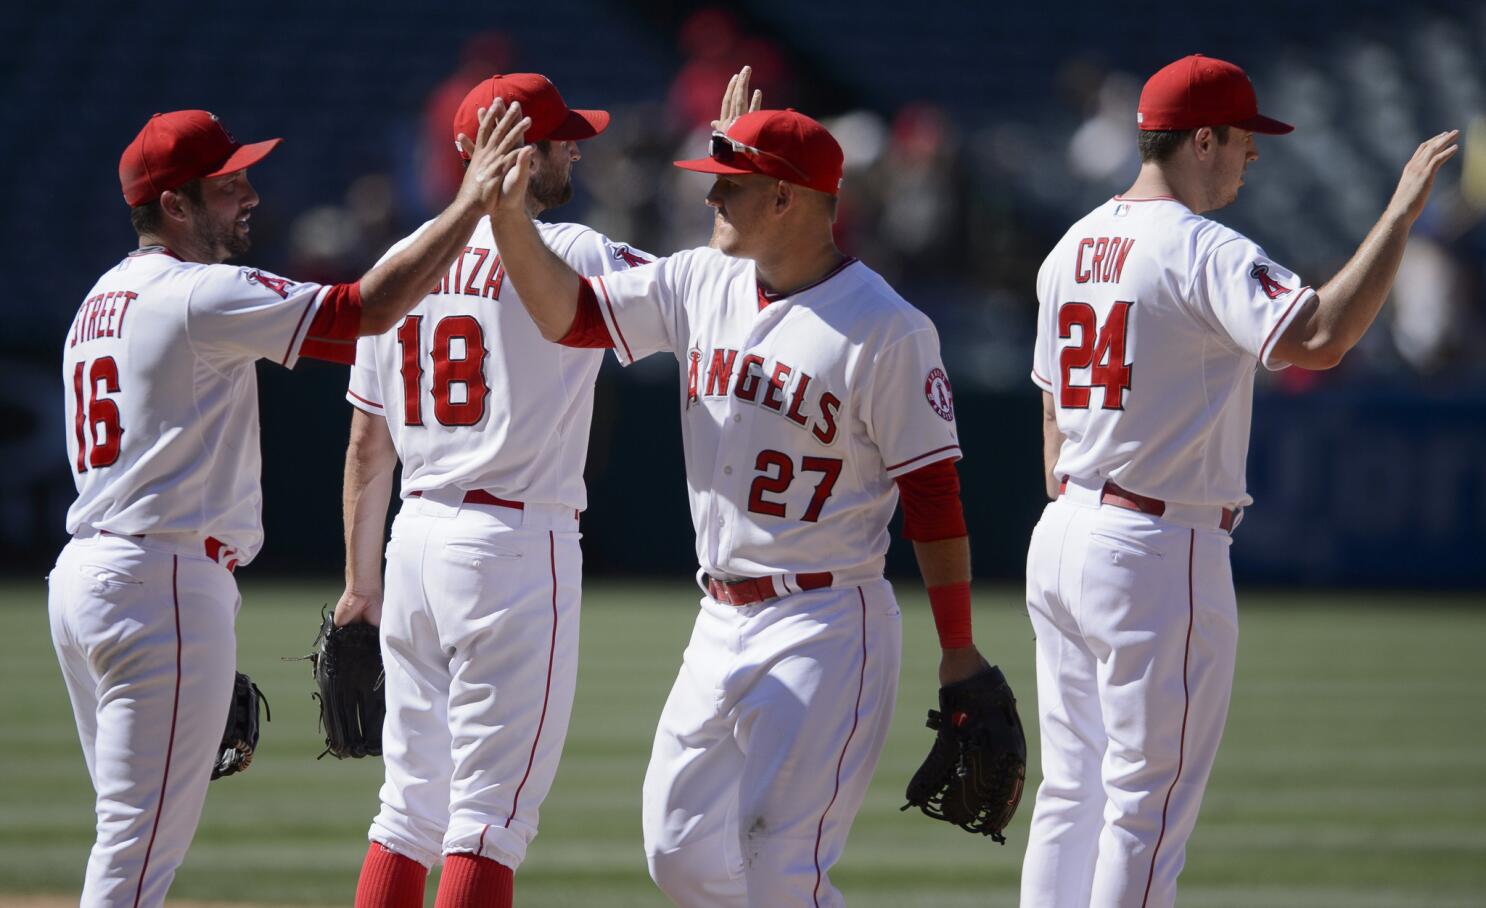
x,y
465,371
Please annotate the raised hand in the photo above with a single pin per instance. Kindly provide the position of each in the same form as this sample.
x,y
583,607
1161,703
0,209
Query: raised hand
x,y
736,101
499,163
1418,175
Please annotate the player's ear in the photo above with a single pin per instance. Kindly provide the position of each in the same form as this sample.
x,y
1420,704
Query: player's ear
x,y
784,197
173,205
1203,142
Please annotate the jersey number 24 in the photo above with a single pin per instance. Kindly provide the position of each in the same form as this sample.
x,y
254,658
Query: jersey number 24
x,y
1101,349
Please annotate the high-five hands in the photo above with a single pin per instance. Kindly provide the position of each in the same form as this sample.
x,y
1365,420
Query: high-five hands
x,y
499,162
736,101
1418,175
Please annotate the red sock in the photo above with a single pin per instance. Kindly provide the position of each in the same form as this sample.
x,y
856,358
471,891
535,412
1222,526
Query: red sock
x,y
474,882
389,880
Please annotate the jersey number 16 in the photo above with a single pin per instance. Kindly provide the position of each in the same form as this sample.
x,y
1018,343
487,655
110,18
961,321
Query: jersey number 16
x,y
1106,355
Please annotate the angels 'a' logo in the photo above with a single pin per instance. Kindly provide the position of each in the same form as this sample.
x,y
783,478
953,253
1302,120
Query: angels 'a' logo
x,y
1272,287
936,389
279,285
630,257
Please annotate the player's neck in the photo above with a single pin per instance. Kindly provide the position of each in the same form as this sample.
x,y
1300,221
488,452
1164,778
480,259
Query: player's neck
x,y
1158,182
793,269
180,246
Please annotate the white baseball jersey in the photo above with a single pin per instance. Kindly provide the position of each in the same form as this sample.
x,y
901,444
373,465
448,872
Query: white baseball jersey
x,y
469,357
796,415
1152,321
162,395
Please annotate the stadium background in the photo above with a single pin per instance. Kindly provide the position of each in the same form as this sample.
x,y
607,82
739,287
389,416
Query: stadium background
x,y
975,133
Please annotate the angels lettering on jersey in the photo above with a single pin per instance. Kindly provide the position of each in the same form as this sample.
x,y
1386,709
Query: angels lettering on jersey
x,y
772,385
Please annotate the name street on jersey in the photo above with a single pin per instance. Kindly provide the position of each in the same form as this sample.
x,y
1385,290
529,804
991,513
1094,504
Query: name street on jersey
x,y
96,316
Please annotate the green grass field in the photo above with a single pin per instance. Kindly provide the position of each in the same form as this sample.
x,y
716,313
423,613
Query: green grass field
x,y
1353,772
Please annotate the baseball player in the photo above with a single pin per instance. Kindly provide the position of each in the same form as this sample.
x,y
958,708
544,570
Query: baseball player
x,y
811,394
1153,320
479,615
161,400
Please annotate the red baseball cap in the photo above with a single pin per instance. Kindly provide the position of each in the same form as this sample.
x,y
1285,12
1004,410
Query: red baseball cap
x,y
539,100
1200,91
783,144
177,147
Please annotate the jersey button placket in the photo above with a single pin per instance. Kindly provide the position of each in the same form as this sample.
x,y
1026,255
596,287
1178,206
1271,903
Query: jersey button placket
x,y
731,437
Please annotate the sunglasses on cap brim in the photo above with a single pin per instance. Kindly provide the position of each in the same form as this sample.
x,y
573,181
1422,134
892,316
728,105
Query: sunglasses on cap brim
x,y
726,150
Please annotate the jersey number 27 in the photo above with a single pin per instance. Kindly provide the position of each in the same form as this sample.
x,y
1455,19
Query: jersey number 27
x,y
1099,347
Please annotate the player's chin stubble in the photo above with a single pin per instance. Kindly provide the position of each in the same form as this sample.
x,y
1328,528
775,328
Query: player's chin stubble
x,y
550,191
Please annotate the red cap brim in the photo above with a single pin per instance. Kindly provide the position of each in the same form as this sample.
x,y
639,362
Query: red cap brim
x,y
712,165
580,124
245,156
1268,126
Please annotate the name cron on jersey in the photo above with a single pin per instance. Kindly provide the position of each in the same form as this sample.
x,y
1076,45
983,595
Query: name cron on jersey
x,y
101,315
776,386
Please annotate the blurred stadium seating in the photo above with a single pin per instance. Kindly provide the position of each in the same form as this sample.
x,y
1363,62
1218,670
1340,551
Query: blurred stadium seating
x,y
975,133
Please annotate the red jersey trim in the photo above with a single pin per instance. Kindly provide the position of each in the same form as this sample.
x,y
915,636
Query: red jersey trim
x,y
614,320
1274,333
155,250
924,456
588,330
546,693
1181,747
289,351
1041,382
856,717
1154,198
766,297
355,398
337,322
175,709
932,509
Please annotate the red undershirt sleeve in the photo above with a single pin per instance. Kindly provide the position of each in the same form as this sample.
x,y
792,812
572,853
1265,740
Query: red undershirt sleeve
x,y
333,331
931,503
588,329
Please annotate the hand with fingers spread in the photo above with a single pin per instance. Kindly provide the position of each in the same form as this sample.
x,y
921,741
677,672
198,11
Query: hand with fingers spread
x,y
494,157
1418,175
736,101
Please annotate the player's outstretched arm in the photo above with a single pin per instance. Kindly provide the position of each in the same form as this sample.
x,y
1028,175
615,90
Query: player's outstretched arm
x,y
396,285
371,460
1346,306
547,286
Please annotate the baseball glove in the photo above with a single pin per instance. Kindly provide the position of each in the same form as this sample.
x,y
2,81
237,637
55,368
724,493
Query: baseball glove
x,y
347,663
974,772
240,738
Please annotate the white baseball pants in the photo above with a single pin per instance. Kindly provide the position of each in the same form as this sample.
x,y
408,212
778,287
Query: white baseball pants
x,y
1136,626
766,745
143,629
480,647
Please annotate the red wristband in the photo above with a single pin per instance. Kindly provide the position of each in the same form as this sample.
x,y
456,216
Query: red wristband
x,y
951,606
